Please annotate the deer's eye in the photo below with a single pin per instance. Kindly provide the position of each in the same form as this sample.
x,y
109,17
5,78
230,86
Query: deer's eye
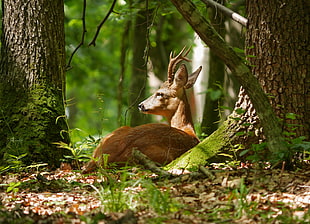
x,y
159,95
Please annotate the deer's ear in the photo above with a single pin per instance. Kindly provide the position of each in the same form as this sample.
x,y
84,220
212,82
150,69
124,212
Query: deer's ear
x,y
192,78
180,77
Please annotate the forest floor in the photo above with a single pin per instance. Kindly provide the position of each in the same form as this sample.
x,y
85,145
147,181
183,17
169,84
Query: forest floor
x,y
133,195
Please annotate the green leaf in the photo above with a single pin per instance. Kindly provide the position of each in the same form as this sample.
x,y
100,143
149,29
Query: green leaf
x,y
291,116
240,133
238,50
239,111
215,94
13,187
244,152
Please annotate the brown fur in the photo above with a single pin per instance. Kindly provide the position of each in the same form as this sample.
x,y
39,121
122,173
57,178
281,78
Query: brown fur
x,y
162,146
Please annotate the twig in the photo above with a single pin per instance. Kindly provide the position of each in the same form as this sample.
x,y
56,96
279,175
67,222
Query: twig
x,y
186,177
149,25
226,11
93,42
282,171
206,172
149,164
82,38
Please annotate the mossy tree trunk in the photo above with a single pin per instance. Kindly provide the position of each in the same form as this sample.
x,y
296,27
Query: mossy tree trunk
x,y
32,80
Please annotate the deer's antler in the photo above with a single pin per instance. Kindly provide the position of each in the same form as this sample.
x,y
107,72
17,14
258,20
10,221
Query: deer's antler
x,y
174,61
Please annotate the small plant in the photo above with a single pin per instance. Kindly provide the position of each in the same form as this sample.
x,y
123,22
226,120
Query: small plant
x,y
160,201
239,198
301,146
127,192
80,151
257,152
117,195
297,145
13,187
13,163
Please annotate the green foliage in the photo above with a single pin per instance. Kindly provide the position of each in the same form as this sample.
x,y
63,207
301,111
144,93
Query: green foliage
x,y
80,151
299,149
13,163
13,187
241,53
93,80
215,94
298,145
131,193
159,200
113,196
239,198
258,152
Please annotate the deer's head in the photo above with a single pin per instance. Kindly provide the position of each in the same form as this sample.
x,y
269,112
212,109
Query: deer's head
x,y
166,100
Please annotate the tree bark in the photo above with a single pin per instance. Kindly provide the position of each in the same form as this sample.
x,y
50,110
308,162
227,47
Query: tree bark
x,y
282,59
32,80
269,121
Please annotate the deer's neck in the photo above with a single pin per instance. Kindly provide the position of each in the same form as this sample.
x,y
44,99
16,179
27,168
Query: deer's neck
x,y
182,118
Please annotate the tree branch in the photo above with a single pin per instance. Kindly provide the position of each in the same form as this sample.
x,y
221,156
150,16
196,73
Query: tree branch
x,y
82,38
93,42
227,12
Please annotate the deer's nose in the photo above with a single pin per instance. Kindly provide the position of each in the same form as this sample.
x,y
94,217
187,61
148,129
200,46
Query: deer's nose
x,y
141,107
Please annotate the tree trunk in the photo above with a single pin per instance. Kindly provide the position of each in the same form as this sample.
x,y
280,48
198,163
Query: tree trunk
x,y
139,68
32,80
278,38
214,95
124,50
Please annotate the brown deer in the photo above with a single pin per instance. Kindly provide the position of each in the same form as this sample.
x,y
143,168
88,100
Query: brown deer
x,y
161,143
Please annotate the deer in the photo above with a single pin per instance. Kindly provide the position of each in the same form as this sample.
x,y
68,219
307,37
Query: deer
x,y
161,143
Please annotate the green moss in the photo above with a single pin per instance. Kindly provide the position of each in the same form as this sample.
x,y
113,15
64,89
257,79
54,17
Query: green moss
x,y
30,124
208,148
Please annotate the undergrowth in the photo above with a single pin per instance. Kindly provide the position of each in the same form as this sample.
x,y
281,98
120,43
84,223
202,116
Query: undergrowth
x,y
122,189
